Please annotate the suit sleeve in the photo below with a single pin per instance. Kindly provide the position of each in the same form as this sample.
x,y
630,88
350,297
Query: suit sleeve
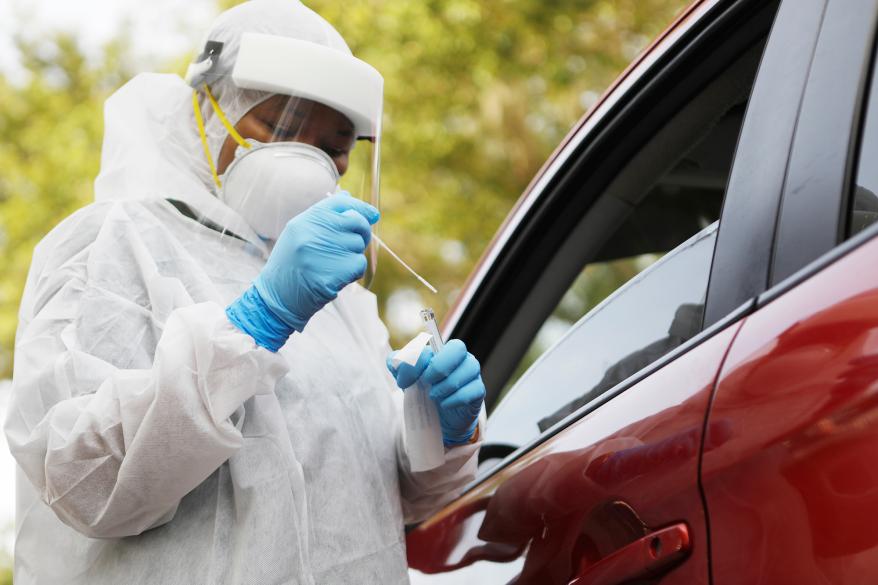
x,y
123,402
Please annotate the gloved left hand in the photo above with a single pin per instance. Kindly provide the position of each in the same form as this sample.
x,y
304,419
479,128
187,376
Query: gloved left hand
x,y
455,381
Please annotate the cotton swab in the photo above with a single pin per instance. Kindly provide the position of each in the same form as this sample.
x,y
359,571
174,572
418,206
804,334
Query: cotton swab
x,y
404,265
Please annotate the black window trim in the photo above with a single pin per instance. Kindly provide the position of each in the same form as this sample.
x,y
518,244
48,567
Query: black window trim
x,y
813,216
742,259
816,266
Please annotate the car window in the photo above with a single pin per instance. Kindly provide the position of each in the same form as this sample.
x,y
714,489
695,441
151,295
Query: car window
x,y
864,202
642,293
684,200
657,311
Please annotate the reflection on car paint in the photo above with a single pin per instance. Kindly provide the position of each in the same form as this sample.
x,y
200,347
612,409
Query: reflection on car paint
x,y
569,504
795,489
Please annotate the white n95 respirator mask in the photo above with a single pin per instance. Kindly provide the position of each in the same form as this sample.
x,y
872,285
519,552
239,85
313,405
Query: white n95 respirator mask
x,y
269,184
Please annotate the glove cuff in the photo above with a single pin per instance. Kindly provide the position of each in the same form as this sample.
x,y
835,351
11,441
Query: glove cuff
x,y
276,308
467,438
253,316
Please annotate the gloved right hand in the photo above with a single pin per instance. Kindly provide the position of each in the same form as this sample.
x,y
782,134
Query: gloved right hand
x,y
455,380
319,252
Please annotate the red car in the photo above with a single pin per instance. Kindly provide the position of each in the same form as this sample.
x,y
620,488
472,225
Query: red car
x,y
678,324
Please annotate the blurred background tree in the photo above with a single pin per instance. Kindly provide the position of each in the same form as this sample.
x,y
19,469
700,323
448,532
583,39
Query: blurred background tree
x,y
51,129
478,94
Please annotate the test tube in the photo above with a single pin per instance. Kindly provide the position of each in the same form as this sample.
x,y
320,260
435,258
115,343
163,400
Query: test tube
x,y
432,328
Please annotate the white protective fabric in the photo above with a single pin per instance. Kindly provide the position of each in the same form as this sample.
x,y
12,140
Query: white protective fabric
x,y
157,443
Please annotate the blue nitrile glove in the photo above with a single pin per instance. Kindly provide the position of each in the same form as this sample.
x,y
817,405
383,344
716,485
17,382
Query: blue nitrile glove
x,y
455,381
319,252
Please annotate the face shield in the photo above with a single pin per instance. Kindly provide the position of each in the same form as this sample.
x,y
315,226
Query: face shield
x,y
315,128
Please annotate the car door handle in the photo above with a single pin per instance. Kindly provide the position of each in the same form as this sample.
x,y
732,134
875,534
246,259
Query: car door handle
x,y
650,556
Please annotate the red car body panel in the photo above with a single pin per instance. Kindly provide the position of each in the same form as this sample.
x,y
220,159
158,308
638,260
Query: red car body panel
x,y
592,502
792,494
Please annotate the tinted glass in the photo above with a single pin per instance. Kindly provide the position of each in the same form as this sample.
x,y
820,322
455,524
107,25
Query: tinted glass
x,y
652,314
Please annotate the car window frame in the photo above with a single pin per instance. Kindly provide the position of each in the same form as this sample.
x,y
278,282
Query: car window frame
x,y
812,223
751,208
491,314
778,49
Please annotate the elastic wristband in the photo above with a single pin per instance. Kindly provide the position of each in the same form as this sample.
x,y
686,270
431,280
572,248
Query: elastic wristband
x,y
252,315
468,440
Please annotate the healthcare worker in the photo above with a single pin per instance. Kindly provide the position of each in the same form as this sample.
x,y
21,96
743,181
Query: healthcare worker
x,y
200,393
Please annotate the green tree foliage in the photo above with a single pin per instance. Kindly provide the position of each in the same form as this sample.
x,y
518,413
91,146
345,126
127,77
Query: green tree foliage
x,y
477,96
51,128
6,567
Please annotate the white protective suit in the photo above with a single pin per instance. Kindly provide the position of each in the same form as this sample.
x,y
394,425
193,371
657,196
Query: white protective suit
x,y
159,444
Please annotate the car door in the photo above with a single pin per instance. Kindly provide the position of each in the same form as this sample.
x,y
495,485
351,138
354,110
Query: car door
x,y
792,491
613,496
598,401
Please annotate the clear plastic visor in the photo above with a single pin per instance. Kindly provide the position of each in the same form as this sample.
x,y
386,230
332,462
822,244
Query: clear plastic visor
x,y
290,153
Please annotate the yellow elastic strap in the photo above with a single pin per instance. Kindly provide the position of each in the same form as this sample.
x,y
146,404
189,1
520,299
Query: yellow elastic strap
x,y
200,121
232,132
